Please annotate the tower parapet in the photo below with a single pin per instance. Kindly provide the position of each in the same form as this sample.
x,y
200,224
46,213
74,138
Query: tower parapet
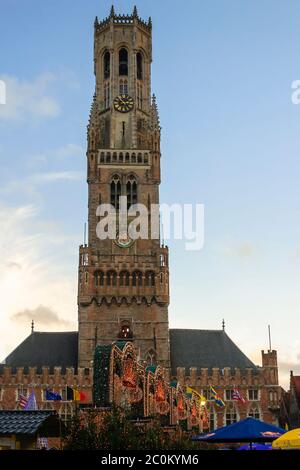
x,y
123,20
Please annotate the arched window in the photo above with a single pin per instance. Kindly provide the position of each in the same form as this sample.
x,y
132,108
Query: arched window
x,y
115,191
123,62
124,278
230,415
254,412
123,88
131,191
111,278
99,278
106,65
139,66
137,278
150,279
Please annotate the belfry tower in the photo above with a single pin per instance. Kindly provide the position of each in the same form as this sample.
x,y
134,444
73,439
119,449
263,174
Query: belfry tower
x,y
123,284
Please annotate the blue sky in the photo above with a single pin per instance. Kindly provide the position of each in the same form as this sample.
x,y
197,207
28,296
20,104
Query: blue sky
x,y
222,73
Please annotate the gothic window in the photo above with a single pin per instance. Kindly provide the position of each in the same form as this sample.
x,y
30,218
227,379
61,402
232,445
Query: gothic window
x,y
111,278
99,278
252,394
106,65
124,278
123,62
150,279
115,191
139,66
228,394
254,412
230,415
162,260
123,88
131,191
137,278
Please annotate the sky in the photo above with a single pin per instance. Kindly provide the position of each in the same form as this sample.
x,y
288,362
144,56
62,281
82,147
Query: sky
x,y
222,72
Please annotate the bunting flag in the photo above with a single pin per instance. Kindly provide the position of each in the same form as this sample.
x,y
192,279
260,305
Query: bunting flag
x,y
22,401
75,395
216,398
31,402
195,393
52,396
236,395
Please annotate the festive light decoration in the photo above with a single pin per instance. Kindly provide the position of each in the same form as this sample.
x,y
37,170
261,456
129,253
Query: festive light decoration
x,y
101,375
142,390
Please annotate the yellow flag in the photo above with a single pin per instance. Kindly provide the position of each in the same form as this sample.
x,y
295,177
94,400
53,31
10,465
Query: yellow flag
x,y
198,395
76,395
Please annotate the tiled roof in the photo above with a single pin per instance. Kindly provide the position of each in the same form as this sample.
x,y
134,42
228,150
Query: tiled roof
x,y
46,423
207,349
46,349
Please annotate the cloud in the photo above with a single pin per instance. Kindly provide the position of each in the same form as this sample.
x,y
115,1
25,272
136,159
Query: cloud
x,y
42,316
245,250
69,150
30,184
56,176
29,99
38,268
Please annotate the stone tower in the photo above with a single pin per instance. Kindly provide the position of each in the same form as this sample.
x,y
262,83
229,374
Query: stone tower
x,y
123,284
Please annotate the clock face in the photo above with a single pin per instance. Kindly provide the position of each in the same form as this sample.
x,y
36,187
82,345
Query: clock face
x,y
123,240
123,103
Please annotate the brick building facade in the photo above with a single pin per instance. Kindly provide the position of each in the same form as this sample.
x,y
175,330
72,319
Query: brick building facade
x,y
123,284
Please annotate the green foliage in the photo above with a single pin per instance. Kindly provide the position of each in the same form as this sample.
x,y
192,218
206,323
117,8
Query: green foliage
x,y
114,431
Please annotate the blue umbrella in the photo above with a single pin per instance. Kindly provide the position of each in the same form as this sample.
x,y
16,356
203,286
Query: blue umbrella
x,y
255,447
247,430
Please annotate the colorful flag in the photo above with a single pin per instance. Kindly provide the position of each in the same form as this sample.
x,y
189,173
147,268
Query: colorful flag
x,y
75,395
219,401
22,401
195,393
237,396
52,396
31,402
70,393
216,398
